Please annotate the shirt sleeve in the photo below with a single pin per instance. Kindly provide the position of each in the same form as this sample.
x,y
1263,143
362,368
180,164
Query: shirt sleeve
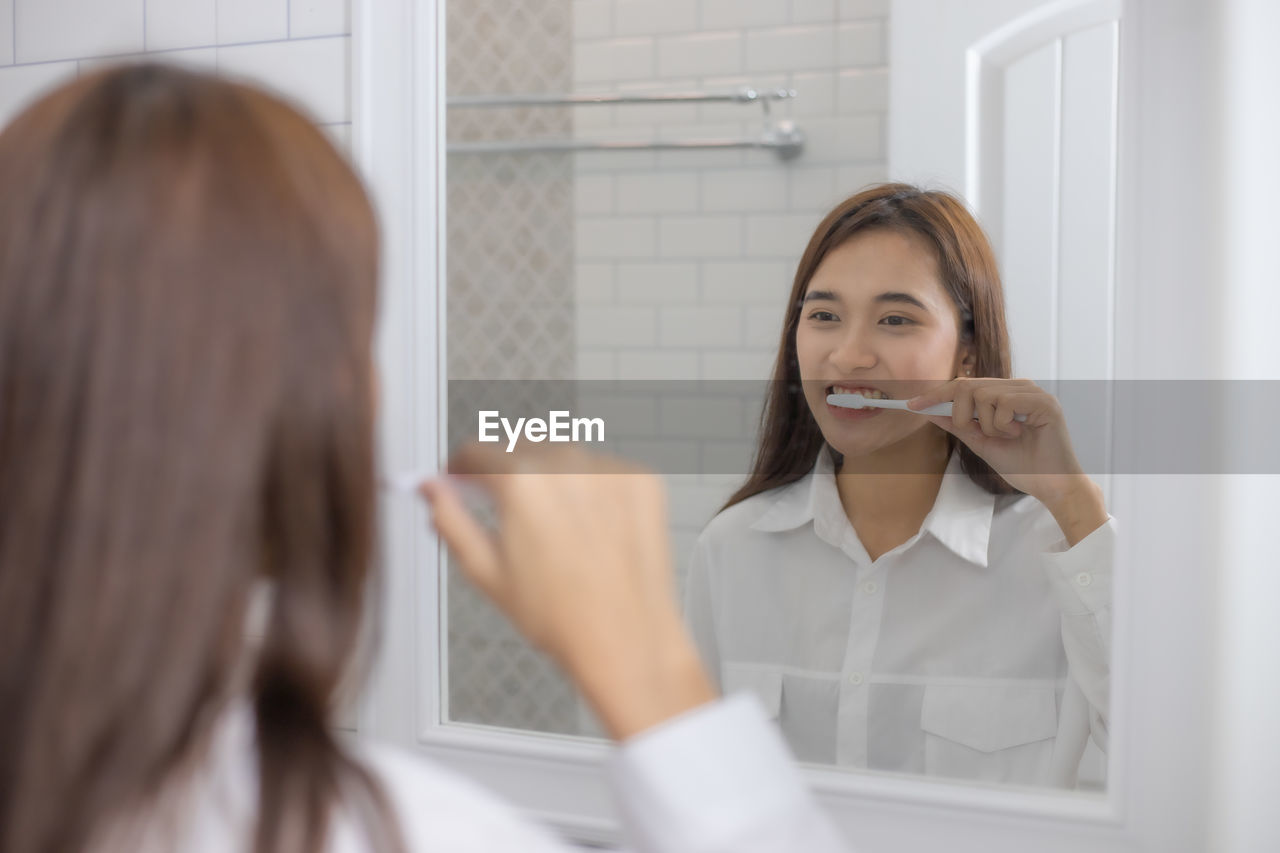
x,y
1081,577
718,779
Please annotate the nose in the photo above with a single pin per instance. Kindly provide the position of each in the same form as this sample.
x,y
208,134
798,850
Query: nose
x,y
852,352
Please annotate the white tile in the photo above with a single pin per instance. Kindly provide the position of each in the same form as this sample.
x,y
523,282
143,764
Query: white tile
x,y
242,21
308,18
593,283
22,84
624,414
646,192
700,54
643,17
597,364
631,115
815,94
856,176
764,325
725,14
719,326
592,19
746,364
700,237
175,24
660,283
610,326
813,11
863,90
814,188
836,141
744,189
196,59
6,32
313,73
664,364
747,282
790,48
860,44
703,417
617,237
850,9
75,29
592,194
613,59
780,235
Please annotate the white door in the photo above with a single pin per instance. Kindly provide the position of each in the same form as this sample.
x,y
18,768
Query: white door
x,y
1013,104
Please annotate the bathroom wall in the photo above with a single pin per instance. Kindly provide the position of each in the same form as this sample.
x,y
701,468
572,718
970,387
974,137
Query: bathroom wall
x,y
298,47
685,258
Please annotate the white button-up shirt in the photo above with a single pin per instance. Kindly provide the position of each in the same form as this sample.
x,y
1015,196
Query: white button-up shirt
x,y
979,648
717,779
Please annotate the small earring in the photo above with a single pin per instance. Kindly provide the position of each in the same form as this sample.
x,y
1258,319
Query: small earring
x,y
968,373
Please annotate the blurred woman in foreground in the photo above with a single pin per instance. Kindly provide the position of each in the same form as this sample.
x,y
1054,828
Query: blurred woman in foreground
x,y
187,298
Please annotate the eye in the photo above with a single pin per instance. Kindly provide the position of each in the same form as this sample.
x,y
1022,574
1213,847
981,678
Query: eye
x,y
897,320
822,316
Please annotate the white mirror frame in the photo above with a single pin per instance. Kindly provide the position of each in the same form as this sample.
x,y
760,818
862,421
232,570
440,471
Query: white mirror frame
x,y
1166,630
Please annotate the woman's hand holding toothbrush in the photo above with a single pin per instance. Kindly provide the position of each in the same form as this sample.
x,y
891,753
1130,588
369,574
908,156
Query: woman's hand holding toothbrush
x,y
1034,456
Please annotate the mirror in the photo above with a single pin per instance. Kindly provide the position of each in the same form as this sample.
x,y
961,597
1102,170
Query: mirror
x,y
630,188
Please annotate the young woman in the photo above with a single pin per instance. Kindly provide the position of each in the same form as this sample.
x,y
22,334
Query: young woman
x,y
187,289
908,592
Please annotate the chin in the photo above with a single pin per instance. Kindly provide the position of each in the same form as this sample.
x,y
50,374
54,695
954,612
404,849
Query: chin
x,y
849,444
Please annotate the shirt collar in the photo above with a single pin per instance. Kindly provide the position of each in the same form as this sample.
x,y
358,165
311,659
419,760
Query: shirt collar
x,y
960,518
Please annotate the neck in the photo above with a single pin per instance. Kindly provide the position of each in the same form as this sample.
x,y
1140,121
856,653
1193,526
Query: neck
x,y
899,482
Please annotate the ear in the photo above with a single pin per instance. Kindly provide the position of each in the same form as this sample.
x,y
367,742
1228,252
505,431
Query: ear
x,y
968,360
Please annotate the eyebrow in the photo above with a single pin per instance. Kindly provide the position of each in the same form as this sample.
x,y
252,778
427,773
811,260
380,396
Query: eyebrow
x,y
890,296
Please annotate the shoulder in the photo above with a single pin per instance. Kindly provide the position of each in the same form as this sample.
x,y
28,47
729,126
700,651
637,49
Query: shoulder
x,y
731,523
440,809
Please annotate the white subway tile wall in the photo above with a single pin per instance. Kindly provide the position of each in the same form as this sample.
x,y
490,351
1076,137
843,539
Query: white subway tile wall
x,y
44,42
696,250
309,18
47,30
719,231
181,23
252,20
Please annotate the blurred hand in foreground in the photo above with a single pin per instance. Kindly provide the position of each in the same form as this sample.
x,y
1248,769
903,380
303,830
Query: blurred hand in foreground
x,y
580,563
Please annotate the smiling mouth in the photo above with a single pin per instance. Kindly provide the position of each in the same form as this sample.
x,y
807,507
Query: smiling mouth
x,y
870,393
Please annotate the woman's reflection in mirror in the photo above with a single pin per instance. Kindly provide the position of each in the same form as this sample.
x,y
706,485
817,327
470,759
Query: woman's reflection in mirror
x,y
908,592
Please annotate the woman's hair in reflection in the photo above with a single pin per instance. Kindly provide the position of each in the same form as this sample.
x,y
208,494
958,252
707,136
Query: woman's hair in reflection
x,y
187,297
790,438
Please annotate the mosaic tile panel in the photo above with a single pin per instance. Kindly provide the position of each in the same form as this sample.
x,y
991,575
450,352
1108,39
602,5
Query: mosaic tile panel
x,y
510,304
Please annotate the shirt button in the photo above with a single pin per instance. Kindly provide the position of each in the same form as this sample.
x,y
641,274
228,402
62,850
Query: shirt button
x,y
855,678
1084,579
869,588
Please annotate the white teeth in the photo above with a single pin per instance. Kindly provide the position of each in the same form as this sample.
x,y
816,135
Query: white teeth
x,y
870,393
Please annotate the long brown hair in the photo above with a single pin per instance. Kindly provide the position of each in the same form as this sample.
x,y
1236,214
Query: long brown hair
x,y
187,297
790,438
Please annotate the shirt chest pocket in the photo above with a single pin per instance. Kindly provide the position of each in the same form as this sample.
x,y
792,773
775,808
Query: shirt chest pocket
x,y
996,733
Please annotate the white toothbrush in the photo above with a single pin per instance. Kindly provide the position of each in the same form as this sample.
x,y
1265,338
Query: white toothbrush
x,y
857,401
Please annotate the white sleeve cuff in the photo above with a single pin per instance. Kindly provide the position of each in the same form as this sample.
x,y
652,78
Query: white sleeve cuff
x,y
718,778
1081,574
